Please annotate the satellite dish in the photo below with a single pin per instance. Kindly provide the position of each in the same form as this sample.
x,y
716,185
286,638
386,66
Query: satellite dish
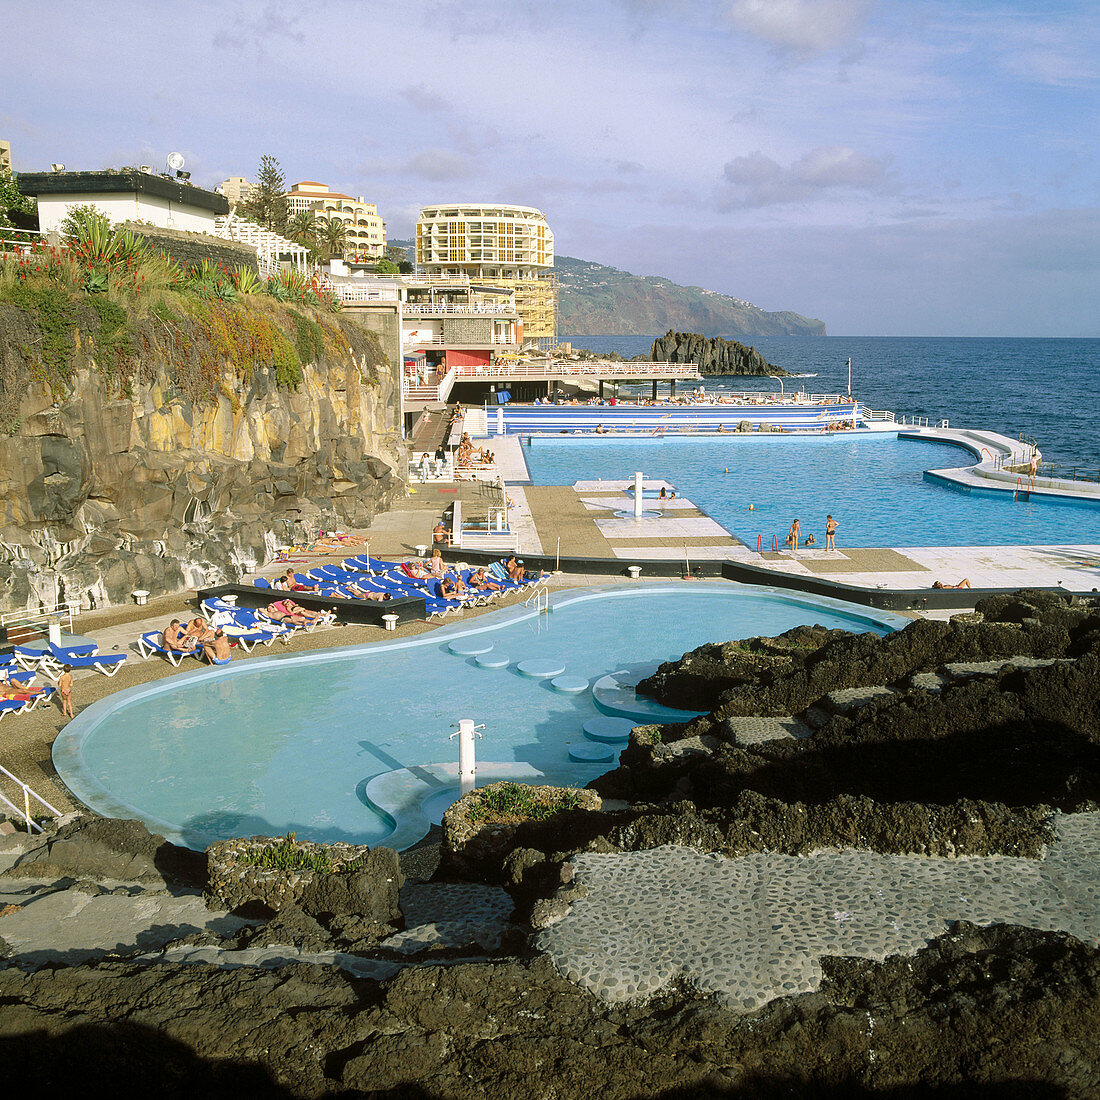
x,y
175,161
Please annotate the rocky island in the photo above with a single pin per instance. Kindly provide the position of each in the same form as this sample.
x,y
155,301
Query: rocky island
x,y
714,355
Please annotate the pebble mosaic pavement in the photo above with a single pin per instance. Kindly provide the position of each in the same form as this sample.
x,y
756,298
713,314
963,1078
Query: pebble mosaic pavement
x,y
753,928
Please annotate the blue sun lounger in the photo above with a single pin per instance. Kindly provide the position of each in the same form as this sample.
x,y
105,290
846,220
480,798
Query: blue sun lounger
x,y
153,642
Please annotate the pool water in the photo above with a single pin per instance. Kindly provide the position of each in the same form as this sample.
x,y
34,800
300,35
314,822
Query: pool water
x,y
873,485
288,743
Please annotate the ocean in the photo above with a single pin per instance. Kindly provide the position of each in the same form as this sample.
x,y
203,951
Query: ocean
x,y
1041,389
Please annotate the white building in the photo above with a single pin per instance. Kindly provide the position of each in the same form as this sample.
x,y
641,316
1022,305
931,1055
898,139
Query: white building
x,y
124,196
364,230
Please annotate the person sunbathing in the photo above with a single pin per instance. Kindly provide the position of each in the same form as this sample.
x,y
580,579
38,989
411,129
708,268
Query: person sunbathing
x,y
964,583
440,534
287,611
365,593
199,629
18,691
515,569
218,650
437,567
481,580
177,640
452,587
292,584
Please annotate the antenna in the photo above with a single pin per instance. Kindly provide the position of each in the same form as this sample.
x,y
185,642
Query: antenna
x,y
175,161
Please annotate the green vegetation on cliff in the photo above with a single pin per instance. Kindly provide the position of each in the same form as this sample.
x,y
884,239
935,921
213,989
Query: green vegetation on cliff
x,y
106,302
598,300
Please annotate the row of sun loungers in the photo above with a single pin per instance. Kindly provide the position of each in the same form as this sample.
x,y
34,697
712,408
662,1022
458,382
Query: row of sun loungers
x,y
395,580
22,695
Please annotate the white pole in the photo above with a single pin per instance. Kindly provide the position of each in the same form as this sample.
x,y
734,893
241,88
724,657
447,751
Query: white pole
x,y
849,376
638,494
467,764
557,556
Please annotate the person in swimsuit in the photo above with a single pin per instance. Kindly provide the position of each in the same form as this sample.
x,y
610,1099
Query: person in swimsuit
x,y
292,584
217,650
177,640
964,583
199,629
830,531
792,537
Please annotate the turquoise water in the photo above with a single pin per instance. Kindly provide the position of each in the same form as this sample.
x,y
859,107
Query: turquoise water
x,y
287,743
874,486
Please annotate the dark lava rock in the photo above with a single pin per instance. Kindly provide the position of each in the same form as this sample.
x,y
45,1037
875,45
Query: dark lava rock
x,y
1001,1011
105,848
370,891
749,677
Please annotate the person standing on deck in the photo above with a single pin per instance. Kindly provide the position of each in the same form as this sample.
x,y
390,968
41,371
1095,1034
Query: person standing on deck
x,y
830,530
792,537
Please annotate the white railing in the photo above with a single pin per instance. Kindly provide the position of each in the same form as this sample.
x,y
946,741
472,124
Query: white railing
x,y
363,293
540,597
418,391
41,619
879,414
18,240
596,370
460,310
28,794
419,341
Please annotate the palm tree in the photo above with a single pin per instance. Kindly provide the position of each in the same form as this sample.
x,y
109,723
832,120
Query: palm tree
x,y
332,236
304,229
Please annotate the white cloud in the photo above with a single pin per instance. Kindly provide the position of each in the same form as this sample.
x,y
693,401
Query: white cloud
x,y
800,26
757,180
440,165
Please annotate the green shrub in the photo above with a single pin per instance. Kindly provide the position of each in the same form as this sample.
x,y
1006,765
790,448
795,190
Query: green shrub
x,y
503,801
285,856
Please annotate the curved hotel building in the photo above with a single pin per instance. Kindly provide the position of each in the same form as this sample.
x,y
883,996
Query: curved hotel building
x,y
508,246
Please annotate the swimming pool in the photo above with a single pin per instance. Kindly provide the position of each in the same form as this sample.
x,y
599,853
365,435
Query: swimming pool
x,y
291,742
873,485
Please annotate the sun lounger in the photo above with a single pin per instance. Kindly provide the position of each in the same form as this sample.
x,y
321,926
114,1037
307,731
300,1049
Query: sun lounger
x,y
56,658
153,642
12,706
242,625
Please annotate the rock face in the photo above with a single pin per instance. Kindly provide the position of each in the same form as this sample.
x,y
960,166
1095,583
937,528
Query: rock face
x,y
1002,1011
102,491
363,881
712,356
475,845
105,848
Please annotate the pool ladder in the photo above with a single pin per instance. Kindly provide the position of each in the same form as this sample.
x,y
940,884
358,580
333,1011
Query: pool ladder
x,y
540,597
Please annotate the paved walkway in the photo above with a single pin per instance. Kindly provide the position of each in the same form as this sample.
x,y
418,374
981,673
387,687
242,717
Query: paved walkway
x,y
756,927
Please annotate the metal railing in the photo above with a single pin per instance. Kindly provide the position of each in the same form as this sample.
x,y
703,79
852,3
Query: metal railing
x,y
563,369
28,794
40,620
422,391
460,310
413,340
362,293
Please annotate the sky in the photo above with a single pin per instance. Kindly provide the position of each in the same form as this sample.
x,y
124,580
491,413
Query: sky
x,y
923,167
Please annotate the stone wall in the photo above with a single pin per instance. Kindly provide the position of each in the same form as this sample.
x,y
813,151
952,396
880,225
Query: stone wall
x,y
102,493
193,248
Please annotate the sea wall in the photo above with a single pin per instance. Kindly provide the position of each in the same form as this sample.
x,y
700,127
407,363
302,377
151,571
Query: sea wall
x,y
712,355
193,466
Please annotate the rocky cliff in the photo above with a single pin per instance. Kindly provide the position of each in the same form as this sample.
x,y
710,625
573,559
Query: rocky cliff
x,y
712,356
181,448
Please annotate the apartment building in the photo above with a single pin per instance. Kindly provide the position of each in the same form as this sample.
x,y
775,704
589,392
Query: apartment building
x,y
508,246
5,156
236,189
364,230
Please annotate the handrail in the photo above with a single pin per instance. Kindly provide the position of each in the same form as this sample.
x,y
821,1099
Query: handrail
x,y
541,596
421,310
41,618
27,794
